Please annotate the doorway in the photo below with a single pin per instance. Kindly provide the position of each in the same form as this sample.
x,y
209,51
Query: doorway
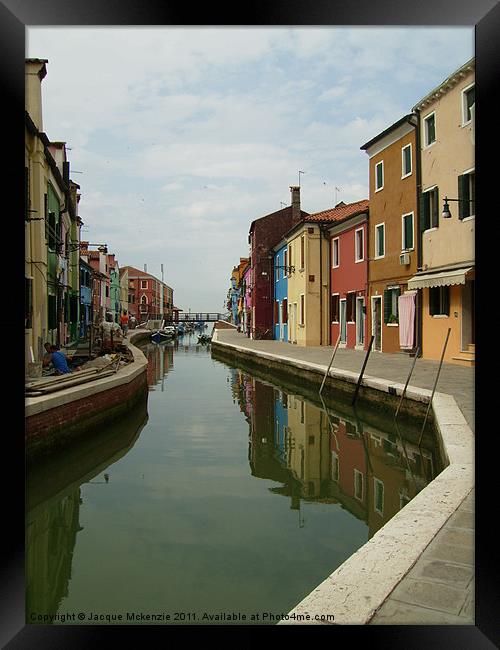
x,y
343,322
360,321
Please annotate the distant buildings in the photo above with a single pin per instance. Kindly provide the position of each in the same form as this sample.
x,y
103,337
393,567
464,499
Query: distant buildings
x,y
69,284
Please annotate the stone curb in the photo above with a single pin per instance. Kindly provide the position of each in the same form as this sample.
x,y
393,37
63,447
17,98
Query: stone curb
x,y
35,405
356,590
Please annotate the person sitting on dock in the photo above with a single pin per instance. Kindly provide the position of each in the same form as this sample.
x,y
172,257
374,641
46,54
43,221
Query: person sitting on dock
x,y
57,358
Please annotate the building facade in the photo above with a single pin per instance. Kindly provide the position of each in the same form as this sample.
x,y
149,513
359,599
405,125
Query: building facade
x,y
281,272
264,233
393,236
447,161
348,256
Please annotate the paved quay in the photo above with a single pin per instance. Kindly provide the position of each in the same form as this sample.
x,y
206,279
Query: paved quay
x,y
438,588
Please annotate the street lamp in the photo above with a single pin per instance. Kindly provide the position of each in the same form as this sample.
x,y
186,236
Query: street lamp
x,y
446,208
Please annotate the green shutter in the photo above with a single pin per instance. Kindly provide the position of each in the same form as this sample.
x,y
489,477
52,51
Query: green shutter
x,y
387,305
436,217
463,195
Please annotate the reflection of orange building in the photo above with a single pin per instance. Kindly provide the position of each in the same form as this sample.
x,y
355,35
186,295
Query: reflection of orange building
x,y
160,361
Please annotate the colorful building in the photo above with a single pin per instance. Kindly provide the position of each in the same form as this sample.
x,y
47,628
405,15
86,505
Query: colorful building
x,y
393,236
348,263
446,215
264,233
281,272
144,291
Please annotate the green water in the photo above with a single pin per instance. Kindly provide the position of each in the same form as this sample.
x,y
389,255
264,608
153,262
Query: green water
x,y
223,497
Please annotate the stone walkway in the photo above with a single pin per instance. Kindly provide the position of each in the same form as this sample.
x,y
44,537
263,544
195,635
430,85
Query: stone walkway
x,y
439,588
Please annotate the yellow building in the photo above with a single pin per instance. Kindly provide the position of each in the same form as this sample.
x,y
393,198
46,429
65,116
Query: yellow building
x,y
307,257
447,162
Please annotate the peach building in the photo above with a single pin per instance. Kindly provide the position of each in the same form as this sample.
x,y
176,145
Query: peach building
x,y
445,278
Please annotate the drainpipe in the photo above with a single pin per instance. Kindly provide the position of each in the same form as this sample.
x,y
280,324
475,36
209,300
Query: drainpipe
x,y
320,286
419,316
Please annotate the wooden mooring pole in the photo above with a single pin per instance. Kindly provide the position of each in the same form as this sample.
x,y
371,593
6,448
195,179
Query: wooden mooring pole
x,y
435,384
362,370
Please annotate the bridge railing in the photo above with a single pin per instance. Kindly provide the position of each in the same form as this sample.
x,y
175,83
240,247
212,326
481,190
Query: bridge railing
x,y
196,317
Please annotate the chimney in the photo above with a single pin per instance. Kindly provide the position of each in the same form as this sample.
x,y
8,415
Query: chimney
x,y
35,71
295,190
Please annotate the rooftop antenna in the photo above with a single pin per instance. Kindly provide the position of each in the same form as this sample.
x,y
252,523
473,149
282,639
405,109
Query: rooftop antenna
x,y
337,189
300,174
283,204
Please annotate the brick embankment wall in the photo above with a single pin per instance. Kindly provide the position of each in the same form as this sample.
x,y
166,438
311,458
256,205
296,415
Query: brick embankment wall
x,y
56,427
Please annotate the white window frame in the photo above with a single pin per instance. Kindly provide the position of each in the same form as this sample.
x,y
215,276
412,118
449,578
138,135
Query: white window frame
x,y
337,240
144,284
362,258
427,117
403,174
377,226
465,122
468,172
407,214
285,257
302,252
377,189
430,189
338,311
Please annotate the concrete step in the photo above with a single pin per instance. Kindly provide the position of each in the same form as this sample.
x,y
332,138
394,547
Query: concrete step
x,y
464,360
471,347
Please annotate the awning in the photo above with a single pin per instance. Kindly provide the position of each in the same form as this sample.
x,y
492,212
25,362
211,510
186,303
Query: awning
x,y
443,279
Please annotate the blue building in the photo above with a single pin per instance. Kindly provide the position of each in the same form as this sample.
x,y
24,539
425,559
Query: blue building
x,y
85,298
280,320
280,425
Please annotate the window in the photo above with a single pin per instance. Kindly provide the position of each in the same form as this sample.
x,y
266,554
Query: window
x,y
379,240
334,308
284,306
358,485
277,264
429,209
467,195
359,253
379,176
335,252
430,129
439,301
468,99
406,162
290,255
302,310
285,270
407,232
302,252
391,311
144,284
276,311
378,496
351,307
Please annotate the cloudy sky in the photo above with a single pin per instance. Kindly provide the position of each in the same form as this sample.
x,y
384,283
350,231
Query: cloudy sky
x,y
184,136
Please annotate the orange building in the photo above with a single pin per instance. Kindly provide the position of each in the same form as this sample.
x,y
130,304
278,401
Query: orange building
x,y
393,236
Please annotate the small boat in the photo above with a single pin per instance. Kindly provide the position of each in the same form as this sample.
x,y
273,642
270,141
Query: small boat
x,y
165,334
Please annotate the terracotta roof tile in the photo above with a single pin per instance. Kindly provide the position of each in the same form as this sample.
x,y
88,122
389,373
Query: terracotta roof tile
x,y
340,212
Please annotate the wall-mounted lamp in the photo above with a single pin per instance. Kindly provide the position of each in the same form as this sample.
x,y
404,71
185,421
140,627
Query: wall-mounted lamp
x,y
446,208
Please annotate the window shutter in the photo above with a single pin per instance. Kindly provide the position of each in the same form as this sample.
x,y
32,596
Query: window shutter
x,y
462,195
432,301
387,305
52,314
285,310
422,213
436,214
73,309
276,311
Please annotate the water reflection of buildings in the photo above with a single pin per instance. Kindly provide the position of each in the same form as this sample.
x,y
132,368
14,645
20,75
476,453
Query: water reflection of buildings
x,y
53,508
326,457
160,361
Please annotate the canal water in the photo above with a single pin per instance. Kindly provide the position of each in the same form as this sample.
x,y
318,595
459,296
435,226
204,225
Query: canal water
x,y
223,498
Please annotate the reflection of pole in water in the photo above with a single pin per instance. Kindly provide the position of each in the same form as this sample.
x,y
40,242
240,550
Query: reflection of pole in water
x,y
162,352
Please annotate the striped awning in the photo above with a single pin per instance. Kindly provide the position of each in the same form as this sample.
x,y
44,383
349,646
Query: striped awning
x,y
442,279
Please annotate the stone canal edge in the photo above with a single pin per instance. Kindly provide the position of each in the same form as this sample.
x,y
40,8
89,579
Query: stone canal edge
x,y
358,588
54,420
